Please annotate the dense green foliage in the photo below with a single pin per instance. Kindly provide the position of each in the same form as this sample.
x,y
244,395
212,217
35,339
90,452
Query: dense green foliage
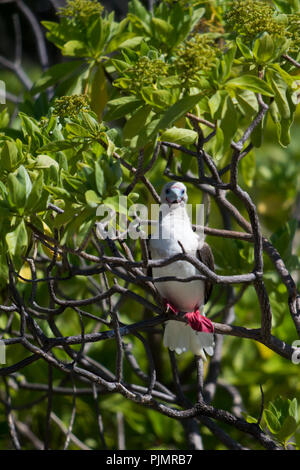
x,y
125,86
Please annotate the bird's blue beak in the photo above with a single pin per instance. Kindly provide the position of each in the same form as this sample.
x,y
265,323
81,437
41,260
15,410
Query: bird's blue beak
x,y
174,195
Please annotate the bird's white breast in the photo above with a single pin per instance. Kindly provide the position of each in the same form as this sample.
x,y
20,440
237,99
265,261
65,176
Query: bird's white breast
x,y
174,227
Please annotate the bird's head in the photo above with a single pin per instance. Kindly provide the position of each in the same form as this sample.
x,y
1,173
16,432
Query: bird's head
x,y
174,192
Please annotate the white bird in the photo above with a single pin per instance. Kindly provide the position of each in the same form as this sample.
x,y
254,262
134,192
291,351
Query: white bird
x,y
174,232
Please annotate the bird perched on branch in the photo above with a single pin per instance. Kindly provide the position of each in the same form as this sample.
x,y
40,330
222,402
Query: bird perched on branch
x,y
174,234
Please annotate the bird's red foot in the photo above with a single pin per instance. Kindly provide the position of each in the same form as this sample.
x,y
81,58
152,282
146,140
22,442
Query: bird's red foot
x,y
196,321
199,322
172,308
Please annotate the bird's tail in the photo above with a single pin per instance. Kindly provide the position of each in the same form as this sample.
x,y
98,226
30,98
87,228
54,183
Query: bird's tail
x,y
180,337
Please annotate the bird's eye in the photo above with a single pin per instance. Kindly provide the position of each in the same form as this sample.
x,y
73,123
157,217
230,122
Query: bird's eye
x,y
182,191
167,191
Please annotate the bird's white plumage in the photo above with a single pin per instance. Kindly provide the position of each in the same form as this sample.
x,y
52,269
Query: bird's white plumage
x,y
175,226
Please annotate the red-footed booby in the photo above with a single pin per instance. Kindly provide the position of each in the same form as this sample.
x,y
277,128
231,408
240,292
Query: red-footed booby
x,y
173,233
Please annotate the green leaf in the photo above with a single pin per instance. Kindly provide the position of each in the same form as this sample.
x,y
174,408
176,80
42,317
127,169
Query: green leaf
x,y
95,36
283,237
287,6
89,121
278,309
83,217
9,156
226,253
249,418
284,132
279,88
120,65
17,240
73,182
124,39
40,204
197,14
136,8
248,169
289,79
35,193
136,122
216,102
287,430
77,130
112,174
282,45
68,214
161,28
272,421
44,161
178,109
121,106
283,126
147,133
100,179
252,83
263,49
293,409
179,136
58,193
273,409
4,118
218,144
30,126
228,122
3,190
73,85
159,98
54,74
57,146
19,187
282,406
227,61
257,134
172,81
92,198
247,53
74,48
99,94
247,101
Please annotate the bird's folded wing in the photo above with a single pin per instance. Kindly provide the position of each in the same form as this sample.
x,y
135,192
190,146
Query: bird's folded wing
x,y
205,255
